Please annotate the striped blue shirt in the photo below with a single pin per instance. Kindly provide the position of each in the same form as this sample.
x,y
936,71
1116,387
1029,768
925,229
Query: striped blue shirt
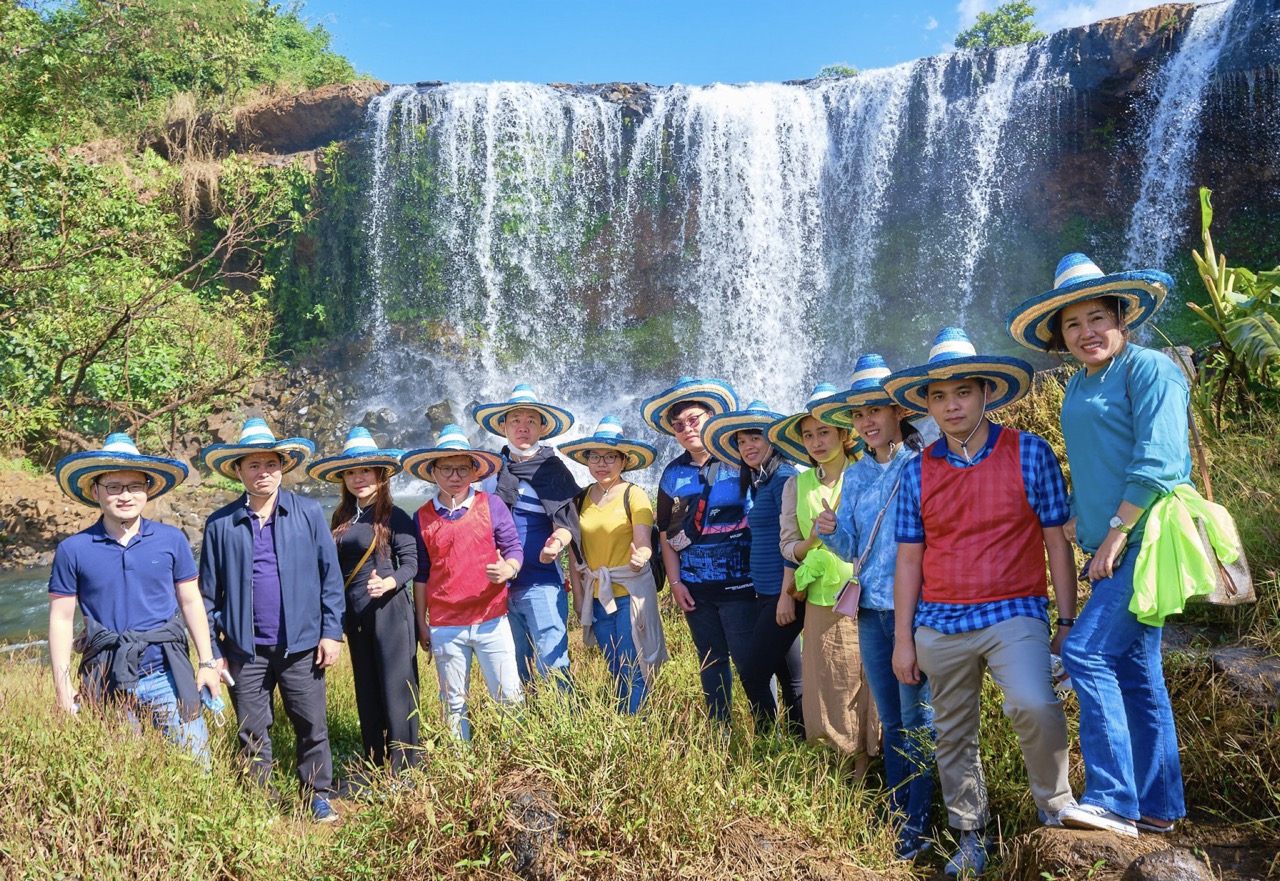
x,y
1046,490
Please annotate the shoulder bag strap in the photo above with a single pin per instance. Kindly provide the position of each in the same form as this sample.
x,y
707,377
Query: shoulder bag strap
x,y
875,530
346,584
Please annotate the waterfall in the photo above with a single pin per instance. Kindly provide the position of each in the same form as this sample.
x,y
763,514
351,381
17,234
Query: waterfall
x,y
600,241
1171,137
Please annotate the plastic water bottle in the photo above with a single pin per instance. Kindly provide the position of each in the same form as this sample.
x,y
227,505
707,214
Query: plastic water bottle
x,y
1058,674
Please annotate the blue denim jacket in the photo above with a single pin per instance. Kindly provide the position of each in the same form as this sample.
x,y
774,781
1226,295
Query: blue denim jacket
x,y
867,485
310,579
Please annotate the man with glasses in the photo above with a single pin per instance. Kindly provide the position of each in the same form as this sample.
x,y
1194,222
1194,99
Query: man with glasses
x,y
706,545
135,583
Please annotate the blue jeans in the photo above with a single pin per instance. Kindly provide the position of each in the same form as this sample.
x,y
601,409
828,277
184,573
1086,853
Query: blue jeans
x,y
613,632
1127,733
906,717
537,614
721,627
453,647
157,698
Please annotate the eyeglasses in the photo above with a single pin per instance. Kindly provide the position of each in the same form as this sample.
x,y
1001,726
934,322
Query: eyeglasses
x,y
691,420
453,470
606,458
118,489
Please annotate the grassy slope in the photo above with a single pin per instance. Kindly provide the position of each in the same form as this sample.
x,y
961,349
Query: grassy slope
x,y
657,796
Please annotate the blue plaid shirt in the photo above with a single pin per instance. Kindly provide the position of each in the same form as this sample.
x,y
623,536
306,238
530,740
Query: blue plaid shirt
x,y
1046,490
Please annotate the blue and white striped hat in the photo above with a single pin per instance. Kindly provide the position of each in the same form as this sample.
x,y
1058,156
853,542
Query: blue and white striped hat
x,y
954,357
492,416
75,473
718,397
256,437
450,442
866,389
359,451
1077,280
785,433
608,436
720,433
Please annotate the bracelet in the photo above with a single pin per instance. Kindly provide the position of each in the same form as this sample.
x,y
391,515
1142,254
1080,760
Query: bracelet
x,y
1066,622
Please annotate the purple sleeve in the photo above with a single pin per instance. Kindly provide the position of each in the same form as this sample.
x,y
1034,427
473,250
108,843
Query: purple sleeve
x,y
504,531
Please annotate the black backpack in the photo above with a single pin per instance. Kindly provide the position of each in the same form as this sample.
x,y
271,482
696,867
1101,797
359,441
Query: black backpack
x,y
656,564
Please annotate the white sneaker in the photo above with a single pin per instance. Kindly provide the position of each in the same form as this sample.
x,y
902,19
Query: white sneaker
x,y
1094,817
1054,818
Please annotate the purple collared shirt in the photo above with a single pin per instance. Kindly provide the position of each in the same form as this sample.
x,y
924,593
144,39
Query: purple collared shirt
x,y
267,610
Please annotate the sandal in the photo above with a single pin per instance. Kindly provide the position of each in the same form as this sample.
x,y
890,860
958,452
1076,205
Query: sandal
x,y
1147,825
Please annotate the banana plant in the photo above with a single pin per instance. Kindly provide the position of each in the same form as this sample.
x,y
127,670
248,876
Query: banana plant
x,y
1242,312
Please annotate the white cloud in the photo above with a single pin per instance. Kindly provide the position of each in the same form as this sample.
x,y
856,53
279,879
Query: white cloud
x,y
1055,15
969,10
931,24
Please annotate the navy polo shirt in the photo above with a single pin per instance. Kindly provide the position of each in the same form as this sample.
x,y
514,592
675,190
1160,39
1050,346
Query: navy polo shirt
x,y
125,587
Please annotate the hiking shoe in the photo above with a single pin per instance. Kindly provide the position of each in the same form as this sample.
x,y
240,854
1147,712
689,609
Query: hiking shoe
x,y
970,857
1094,817
910,844
322,811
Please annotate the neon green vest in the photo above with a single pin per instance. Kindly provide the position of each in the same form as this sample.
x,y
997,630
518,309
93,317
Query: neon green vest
x,y
822,573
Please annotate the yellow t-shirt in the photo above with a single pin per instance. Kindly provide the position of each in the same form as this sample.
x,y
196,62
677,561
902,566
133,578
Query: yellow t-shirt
x,y
606,533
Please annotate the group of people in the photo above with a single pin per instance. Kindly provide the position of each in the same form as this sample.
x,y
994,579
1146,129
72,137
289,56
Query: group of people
x,y
858,581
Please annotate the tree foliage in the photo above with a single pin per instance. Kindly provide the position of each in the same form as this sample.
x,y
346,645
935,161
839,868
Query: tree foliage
x,y
1010,24
836,71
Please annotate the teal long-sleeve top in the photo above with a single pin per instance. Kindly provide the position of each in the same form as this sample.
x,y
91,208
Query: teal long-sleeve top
x,y
1126,432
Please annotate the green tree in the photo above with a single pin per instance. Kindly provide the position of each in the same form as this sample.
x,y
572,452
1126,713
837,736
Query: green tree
x,y
1010,24
836,71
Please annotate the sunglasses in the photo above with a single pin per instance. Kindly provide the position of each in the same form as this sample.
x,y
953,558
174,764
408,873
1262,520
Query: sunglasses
x,y
690,420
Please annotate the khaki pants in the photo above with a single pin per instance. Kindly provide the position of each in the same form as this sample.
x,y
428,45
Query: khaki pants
x,y
1016,652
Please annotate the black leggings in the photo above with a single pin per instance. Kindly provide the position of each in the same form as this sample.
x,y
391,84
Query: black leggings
x,y
775,651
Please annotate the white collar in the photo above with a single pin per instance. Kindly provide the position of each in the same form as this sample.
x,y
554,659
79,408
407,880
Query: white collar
x,y
464,504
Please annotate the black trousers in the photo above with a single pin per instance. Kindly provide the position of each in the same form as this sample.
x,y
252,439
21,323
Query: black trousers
x,y
302,693
383,641
775,651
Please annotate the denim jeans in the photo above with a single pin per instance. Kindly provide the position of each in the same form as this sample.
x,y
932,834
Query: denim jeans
x,y
1127,733
157,697
613,632
537,615
721,626
906,718
453,648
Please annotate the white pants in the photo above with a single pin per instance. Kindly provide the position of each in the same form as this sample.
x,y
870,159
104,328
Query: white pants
x,y
493,646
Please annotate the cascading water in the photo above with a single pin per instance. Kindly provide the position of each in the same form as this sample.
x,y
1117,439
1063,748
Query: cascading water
x,y
598,242
1170,139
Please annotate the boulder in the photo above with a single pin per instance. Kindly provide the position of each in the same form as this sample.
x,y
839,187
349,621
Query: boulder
x,y
1172,864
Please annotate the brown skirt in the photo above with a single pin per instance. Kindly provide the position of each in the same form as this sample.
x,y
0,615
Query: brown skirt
x,y
837,702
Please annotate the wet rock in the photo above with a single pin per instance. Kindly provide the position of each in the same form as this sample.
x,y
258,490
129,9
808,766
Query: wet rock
x,y
1173,864
440,414
536,824
1254,673
381,419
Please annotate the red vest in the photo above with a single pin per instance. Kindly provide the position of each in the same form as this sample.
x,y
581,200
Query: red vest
x,y
983,541
458,591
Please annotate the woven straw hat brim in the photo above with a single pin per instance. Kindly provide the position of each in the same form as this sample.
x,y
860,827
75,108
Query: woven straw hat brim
x,y
1011,378
714,395
489,416
1140,290
331,467
719,434
223,457
417,461
75,473
639,455
785,435
836,409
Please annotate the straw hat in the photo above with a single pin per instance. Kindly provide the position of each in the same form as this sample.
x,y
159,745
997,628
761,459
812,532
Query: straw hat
x,y
865,390
608,436
450,442
1078,279
75,473
954,357
718,397
491,416
720,433
256,437
359,451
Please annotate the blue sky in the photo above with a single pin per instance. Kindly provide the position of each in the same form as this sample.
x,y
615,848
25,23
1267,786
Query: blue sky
x,y
659,41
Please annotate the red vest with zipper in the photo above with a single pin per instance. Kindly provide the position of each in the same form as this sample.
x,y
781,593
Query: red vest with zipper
x,y
983,541
458,591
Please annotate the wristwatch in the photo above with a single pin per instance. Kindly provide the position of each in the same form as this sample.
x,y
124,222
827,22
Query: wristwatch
x,y
211,664
1118,524
1066,622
